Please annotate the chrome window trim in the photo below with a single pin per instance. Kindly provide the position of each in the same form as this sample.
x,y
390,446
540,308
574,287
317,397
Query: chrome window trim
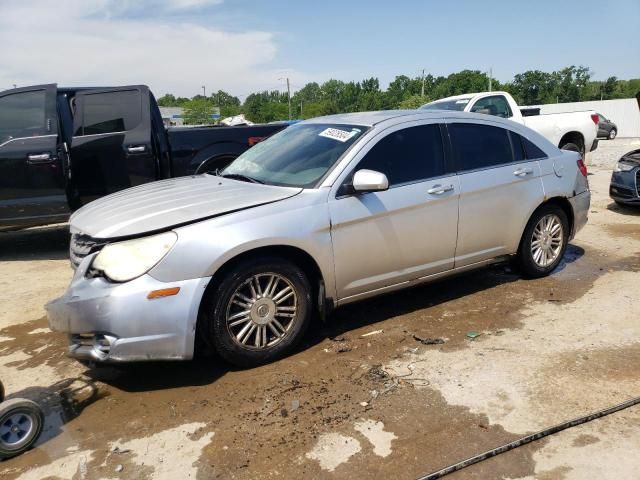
x,y
28,138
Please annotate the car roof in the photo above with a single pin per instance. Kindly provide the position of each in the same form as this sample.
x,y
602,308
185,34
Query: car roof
x,y
370,119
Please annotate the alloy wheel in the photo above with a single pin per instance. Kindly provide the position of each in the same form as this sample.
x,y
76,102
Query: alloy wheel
x,y
262,311
547,240
16,430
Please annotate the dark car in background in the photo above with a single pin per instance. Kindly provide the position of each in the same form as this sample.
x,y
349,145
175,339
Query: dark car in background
x,y
61,148
625,180
606,128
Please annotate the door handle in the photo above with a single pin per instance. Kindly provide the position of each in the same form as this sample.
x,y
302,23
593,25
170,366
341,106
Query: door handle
x,y
39,158
439,189
521,172
136,149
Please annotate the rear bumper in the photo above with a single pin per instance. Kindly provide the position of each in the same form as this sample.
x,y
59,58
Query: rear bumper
x,y
580,205
109,322
594,145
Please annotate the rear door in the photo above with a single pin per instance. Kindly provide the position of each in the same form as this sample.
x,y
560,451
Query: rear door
x,y
32,177
112,146
499,188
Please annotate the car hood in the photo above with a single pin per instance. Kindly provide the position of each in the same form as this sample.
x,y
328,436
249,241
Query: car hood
x,y
168,203
632,157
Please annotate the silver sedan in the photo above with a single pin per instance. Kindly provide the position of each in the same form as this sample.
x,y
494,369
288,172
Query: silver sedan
x,y
324,213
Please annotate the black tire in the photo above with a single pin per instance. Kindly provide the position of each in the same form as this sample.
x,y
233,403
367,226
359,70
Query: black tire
x,y
573,147
1,392
528,264
25,415
612,134
217,305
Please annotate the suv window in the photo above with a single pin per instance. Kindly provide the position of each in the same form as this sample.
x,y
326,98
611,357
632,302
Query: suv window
x,y
408,155
496,105
110,112
479,146
22,115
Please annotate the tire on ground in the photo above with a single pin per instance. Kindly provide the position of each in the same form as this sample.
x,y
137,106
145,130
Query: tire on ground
x,y
216,305
526,261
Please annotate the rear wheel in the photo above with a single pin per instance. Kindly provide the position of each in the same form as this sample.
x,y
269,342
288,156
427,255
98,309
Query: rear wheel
x,y
21,423
573,147
612,134
259,311
544,241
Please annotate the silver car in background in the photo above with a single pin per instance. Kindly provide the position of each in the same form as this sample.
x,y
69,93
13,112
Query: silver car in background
x,y
327,212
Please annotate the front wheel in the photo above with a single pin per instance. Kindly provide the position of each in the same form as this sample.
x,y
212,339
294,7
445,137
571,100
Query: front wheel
x,y
612,134
259,312
544,241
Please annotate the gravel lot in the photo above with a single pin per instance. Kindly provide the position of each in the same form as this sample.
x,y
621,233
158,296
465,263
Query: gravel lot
x,y
348,406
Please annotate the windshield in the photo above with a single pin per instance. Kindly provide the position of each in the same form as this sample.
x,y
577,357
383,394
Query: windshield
x,y
457,104
298,156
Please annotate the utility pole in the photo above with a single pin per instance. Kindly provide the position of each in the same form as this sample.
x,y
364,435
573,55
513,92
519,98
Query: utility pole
x,y
490,75
204,92
300,109
288,94
422,92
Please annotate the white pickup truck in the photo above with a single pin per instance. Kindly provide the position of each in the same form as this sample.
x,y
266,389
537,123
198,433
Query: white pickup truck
x,y
575,131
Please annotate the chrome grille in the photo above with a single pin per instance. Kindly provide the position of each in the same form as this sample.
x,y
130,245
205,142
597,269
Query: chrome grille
x,y
80,246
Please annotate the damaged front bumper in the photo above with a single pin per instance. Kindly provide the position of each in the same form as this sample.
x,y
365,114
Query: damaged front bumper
x,y
116,322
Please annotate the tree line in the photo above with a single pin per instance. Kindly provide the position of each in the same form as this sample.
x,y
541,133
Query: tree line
x,y
533,87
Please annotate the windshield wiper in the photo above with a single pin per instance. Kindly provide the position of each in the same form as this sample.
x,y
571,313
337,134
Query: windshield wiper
x,y
239,176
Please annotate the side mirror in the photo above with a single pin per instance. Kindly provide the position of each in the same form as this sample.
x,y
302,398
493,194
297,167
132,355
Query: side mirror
x,y
370,181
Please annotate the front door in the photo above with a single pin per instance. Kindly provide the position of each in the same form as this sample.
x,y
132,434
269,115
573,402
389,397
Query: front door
x,y
112,145
409,231
32,170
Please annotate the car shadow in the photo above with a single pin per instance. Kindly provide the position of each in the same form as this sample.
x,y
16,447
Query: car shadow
x,y
624,209
428,295
40,243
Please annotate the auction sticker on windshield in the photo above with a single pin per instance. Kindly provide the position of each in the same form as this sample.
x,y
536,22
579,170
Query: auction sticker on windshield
x,y
337,134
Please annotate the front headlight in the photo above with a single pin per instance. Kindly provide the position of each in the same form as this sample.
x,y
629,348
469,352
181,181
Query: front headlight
x,y
124,261
623,167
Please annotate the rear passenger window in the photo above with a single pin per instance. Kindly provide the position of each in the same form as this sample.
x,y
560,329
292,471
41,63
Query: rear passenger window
x,y
110,112
479,146
531,150
518,148
408,155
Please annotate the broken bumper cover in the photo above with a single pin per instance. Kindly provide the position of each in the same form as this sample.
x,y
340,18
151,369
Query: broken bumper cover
x,y
115,322
580,205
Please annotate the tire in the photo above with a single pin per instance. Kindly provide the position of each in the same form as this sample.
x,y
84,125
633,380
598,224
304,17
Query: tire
x,y
21,423
532,260
1,392
612,134
255,332
573,147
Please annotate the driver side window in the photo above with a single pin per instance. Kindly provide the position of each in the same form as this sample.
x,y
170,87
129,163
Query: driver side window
x,y
407,156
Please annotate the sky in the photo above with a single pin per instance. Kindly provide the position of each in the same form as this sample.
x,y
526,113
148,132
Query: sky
x,y
242,46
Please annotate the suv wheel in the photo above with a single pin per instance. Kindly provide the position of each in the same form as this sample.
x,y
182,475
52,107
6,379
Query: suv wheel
x,y
544,241
612,134
259,311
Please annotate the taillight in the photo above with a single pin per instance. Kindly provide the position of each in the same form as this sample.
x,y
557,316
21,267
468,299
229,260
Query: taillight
x,y
253,140
582,167
595,118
